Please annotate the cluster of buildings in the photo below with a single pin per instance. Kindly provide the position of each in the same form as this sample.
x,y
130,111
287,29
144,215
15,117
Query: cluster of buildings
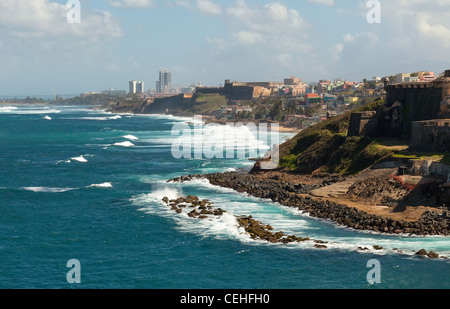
x,y
339,85
327,98
163,85
243,91
110,92
136,87
414,77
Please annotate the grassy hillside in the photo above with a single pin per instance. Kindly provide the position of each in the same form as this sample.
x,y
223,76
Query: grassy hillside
x,y
325,147
206,104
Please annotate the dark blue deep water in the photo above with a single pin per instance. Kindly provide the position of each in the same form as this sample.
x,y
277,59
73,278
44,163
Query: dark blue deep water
x,y
87,185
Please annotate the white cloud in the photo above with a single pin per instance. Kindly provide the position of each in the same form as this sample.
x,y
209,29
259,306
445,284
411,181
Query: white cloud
x,y
336,51
268,35
248,37
348,38
43,19
420,28
208,7
355,47
278,29
183,3
271,18
131,3
219,43
325,2
285,59
36,36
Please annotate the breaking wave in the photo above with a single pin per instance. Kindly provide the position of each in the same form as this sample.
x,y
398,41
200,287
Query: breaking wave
x,y
124,144
48,189
101,185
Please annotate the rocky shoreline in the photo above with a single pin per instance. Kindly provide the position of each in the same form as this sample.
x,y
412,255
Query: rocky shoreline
x,y
203,209
198,209
296,196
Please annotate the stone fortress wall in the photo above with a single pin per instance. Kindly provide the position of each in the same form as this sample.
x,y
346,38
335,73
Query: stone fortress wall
x,y
415,101
431,136
413,111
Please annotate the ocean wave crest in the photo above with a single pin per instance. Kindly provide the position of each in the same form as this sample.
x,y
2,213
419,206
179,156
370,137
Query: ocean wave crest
x,y
101,185
124,144
48,189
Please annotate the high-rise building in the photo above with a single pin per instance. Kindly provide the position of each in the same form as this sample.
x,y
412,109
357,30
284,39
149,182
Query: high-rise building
x,y
164,85
132,87
136,87
140,88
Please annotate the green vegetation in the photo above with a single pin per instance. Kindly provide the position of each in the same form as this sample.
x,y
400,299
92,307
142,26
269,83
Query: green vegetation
x,y
207,104
27,100
356,155
418,156
99,99
325,147
127,106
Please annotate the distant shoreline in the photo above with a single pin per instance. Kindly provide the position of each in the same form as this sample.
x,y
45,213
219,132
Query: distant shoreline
x,y
21,103
282,128
211,119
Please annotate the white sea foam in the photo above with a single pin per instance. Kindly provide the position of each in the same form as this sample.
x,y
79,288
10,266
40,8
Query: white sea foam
x,y
168,117
28,110
131,137
223,227
97,118
294,222
80,159
101,185
124,144
48,118
7,109
48,190
35,111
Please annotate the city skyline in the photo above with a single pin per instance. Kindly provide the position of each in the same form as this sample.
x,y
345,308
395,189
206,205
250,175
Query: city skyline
x,y
164,84
209,41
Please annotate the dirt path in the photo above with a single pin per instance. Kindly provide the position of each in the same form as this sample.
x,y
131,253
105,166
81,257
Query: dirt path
x,y
340,189
337,193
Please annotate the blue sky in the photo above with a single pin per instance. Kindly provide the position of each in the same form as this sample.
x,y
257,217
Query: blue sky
x,y
213,40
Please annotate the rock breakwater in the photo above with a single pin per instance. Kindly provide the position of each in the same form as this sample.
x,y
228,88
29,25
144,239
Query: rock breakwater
x,y
203,209
296,196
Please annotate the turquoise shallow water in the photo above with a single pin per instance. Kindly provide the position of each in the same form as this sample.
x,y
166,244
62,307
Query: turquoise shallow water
x,y
82,184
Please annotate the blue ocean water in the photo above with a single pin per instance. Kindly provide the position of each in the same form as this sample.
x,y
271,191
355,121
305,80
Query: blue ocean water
x,y
82,184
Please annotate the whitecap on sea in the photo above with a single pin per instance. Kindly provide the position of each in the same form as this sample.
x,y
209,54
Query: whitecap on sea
x,y
131,137
48,190
124,144
101,185
80,159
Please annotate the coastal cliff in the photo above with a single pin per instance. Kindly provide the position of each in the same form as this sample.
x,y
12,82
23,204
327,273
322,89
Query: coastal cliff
x,y
179,105
329,175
